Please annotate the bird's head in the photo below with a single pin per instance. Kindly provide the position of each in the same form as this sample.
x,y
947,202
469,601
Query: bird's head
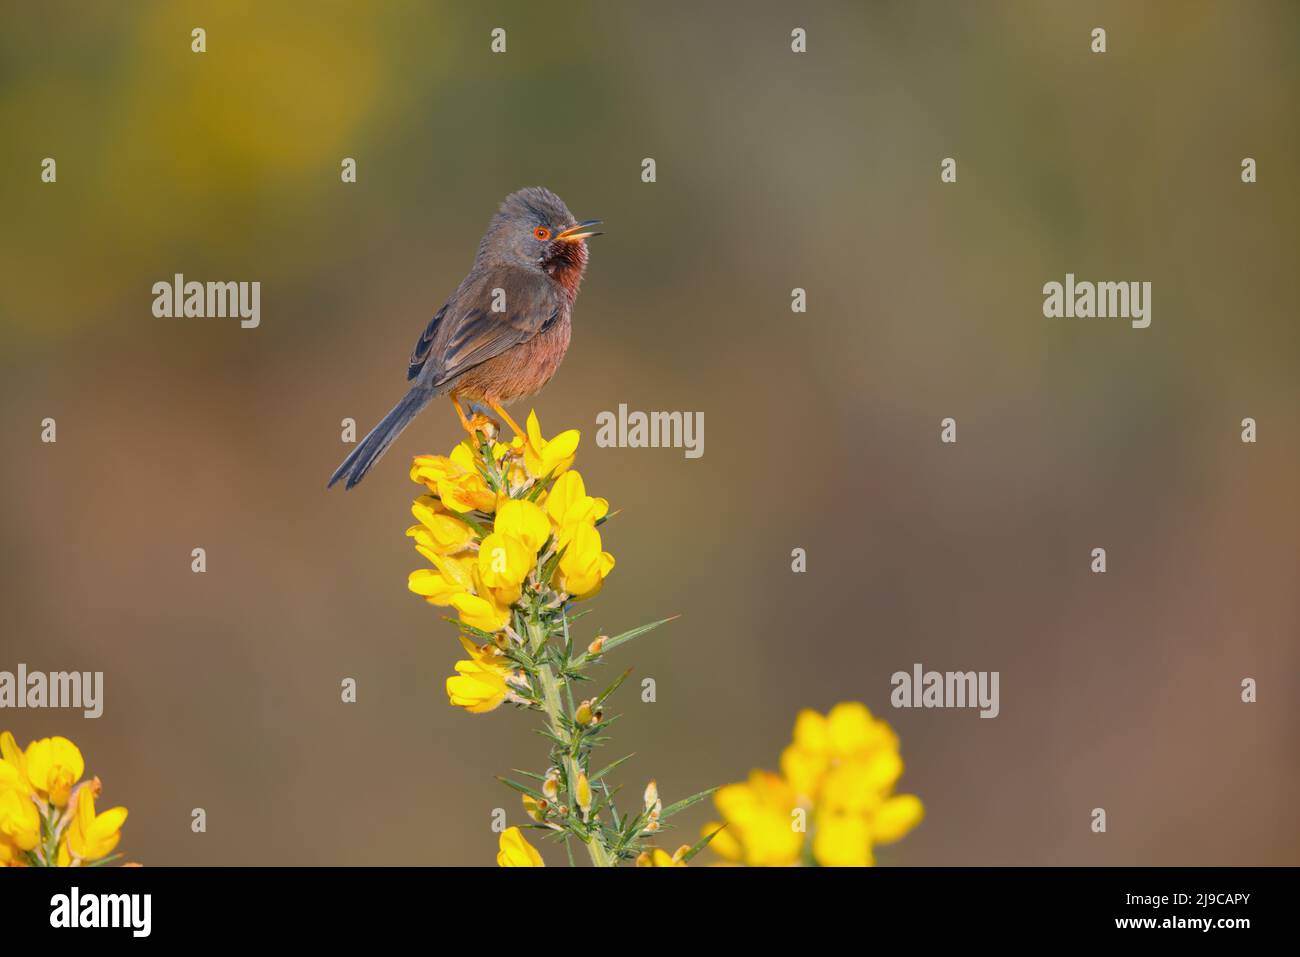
x,y
535,230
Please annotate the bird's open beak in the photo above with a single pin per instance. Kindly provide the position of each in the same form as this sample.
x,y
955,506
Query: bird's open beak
x,y
579,231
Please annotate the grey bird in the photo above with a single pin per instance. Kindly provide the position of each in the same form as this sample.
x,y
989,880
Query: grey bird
x,y
506,328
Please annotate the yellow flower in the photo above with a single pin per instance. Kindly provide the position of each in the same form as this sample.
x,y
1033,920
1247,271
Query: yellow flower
x,y
523,520
455,479
467,493
517,852
12,778
584,566
847,762
463,583
480,684
433,470
91,836
859,786
13,764
54,765
504,561
483,613
842,767
568,506
20,822
760,819
543,457
847,734
657,857
842,840
438,531
429,470
439,585
895,817
573,515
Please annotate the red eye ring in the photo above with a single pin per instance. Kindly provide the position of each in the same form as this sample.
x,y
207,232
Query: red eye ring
x,y
541,234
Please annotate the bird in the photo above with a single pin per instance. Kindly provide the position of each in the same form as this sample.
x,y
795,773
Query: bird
x,y
504,331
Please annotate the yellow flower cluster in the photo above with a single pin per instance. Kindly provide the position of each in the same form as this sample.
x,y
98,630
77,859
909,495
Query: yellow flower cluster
x,y
504,525
512,538
837,784
47,818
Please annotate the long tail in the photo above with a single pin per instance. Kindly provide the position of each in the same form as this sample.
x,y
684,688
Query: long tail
x,y
374,445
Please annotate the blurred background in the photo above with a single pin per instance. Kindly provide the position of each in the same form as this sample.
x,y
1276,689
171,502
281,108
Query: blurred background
x,y
775,170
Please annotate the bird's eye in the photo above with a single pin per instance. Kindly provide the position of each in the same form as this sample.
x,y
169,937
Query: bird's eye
x,y
541,234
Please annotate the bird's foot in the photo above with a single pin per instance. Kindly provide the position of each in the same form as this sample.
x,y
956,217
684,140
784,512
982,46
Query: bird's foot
x,y
476,422
505,416
479,422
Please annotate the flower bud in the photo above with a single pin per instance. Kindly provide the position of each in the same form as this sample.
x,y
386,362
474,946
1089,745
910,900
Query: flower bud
x,y
595,647
651,795
536,809
583,716
551,786
582,794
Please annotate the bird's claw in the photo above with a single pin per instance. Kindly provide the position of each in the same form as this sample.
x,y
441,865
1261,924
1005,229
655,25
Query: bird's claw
x,y
479,422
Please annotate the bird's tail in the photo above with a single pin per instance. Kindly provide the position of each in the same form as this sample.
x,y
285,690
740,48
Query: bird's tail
x,y
374,445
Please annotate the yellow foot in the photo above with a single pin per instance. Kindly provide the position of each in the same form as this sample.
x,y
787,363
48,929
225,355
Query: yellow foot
x,y
505,416
481,423
460,414
476,423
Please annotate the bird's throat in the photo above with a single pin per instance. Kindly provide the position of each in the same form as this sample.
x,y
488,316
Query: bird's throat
x,y
567,267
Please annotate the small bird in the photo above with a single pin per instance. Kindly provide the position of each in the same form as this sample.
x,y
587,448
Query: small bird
x,y
504,331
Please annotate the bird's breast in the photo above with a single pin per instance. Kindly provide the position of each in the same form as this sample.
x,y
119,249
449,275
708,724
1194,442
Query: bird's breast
x,y
521,370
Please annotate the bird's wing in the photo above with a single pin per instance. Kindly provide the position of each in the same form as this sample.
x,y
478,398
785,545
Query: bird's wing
x,y
469,332
420,354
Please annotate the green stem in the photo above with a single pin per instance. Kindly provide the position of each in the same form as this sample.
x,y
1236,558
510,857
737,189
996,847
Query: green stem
x,y
551,705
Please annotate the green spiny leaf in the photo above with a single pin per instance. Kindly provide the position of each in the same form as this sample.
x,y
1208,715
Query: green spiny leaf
x,y
612,688
470,629
703,843
521,788
610,767
611,643
684,803
609,796
564,745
